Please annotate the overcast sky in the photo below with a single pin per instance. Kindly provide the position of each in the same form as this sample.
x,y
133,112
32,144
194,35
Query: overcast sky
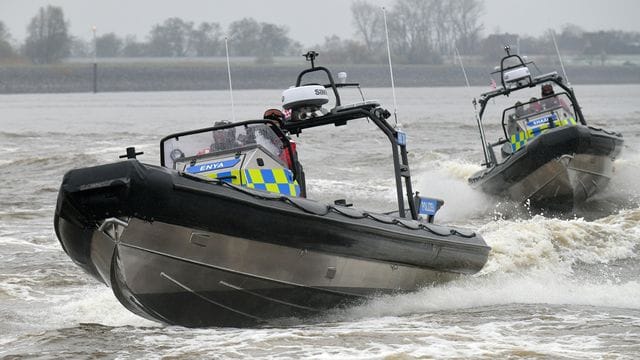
x,y
311,21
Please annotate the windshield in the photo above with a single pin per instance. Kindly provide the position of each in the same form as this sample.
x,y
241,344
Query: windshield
x,y
219,140
525,115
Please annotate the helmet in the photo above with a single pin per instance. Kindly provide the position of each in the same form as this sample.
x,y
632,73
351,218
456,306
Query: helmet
x,y
547,89
273,114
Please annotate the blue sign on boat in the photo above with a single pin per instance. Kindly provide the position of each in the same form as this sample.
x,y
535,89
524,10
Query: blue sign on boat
x,y
428,206
542,120
217,165
402,138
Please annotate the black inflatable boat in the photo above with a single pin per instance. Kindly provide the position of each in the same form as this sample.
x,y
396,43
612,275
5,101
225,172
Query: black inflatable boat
x,y
548,156
222,234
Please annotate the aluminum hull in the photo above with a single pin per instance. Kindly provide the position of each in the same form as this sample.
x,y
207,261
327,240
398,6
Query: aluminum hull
x,y
558,170
191,253
192,278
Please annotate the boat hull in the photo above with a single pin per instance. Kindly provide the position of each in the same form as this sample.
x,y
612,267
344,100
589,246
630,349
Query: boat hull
x,y
192,278
557,170
191,253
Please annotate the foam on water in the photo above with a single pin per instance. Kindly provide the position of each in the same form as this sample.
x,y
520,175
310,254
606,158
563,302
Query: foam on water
x,y
93,304
624,183
533,262
552,243
536,287
512,332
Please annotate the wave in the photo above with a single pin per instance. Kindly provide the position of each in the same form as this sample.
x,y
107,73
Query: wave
x,y
65,134
544,243
476,292
94,305
537,261
35,284
52,162
26,134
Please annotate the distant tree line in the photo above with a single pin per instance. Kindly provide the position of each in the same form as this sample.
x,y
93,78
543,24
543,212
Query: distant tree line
x,y
431,31
419,31
48,40
176,37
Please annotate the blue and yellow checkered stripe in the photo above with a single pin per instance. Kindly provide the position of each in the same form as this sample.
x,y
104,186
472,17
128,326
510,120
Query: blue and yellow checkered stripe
x,y
279,181
519,140
232,176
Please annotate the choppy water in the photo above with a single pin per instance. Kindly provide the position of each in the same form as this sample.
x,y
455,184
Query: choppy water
x,y
553,288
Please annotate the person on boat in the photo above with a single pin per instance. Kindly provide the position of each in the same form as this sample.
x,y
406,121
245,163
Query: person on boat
x,y
534,106
547,90
550,100
512,124
274,114
285,155
222,139
519,109
225,138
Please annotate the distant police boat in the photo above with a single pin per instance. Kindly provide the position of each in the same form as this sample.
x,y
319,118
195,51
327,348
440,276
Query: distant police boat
x,y
222,234
548,156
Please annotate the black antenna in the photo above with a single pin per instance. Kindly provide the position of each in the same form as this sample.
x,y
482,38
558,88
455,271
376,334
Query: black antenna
x,y
311,56
131,153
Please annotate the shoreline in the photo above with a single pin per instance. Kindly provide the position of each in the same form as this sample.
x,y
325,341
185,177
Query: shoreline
x,y
189,76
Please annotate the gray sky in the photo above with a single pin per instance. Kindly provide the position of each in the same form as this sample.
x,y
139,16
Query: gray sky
x,y
311,21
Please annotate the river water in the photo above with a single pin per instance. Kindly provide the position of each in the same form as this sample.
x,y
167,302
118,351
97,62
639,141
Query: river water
x,y
553,287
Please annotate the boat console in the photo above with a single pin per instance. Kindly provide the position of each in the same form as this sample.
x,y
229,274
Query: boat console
x,y
524,121
254,154
258,153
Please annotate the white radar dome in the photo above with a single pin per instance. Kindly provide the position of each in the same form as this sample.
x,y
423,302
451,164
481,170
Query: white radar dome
x,y
302,96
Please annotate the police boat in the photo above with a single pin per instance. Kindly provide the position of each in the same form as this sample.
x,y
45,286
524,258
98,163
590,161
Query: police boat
x,y
548,156
222,233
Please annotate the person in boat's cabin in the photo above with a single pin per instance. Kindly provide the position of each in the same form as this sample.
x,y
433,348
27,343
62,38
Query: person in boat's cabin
x,y
512,125
224,139
534,106
277,115
551,101
519,109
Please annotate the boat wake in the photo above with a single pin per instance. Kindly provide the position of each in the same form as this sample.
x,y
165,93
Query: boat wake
x,y
534,288
560,245
537,261
446,178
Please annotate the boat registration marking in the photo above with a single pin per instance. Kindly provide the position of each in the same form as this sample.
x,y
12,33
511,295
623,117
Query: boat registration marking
x,y
216,165
542,120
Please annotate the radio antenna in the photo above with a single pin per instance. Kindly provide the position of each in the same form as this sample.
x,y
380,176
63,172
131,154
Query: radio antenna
x,y
475,109
393,87
553,36
226,48
466,79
